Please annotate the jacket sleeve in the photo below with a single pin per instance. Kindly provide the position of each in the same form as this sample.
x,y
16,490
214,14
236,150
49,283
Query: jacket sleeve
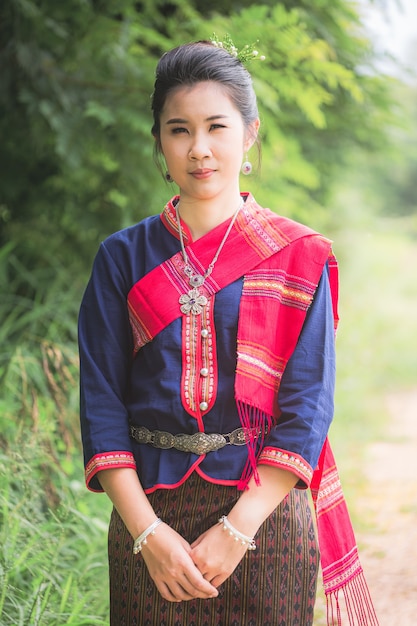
x,y
105,348
306,394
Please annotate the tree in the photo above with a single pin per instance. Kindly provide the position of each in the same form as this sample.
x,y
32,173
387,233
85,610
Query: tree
x,y
391,176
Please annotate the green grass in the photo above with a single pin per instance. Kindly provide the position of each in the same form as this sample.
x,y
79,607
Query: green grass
x,y
53,553
53,563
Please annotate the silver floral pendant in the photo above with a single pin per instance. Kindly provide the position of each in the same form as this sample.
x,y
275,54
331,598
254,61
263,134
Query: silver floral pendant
x,y
192,302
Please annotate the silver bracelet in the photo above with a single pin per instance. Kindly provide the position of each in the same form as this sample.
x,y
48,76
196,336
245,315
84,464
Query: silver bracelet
x,y
249,542
142,539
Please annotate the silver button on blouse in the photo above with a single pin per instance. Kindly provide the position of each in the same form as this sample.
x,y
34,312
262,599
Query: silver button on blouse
x,y
203,406
204,372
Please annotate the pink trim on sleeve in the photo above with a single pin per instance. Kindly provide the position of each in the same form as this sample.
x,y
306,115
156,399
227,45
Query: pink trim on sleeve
x,y
286,460
107,460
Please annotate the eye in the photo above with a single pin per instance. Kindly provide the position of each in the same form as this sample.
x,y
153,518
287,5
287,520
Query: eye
x,y
216,126
178,130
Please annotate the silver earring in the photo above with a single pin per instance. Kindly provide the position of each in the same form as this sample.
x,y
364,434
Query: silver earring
x,y
246,168
169,178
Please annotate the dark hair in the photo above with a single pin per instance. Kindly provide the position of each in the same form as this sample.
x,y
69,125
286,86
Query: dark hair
x,y
197,62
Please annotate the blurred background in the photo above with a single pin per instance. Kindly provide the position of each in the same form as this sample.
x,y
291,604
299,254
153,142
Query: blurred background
x,y
338,100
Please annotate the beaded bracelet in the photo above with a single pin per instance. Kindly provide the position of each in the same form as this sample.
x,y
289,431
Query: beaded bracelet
x,y
142,539
249,542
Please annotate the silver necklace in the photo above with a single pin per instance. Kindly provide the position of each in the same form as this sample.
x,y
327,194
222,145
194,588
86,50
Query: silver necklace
x,y
193,301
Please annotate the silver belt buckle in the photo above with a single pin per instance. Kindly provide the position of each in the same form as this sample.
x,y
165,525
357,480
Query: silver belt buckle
x,y
200,443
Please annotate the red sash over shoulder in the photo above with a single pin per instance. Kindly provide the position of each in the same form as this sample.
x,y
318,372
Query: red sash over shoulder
x,y
257,235
281,262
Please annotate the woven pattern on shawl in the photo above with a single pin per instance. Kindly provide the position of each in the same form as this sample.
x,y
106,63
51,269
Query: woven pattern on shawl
x,y
256,361
330,493
173,271
263,234
338,574
277,284
140,333
330,502
259,364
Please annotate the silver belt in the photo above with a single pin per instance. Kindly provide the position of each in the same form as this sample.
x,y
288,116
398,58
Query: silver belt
x,y
198,443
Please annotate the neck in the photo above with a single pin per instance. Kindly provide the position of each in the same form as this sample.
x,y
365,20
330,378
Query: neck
x,y
201,216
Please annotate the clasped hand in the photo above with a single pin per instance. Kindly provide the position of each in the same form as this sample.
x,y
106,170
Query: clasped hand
x,y
182,571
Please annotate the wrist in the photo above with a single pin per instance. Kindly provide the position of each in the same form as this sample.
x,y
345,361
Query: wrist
x,y
248,522
244,540
141,523
142,539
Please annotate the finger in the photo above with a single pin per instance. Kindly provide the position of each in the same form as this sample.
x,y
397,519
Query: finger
x,y
200,588
186,585
218,580
173,592
192,579
167,594
176,592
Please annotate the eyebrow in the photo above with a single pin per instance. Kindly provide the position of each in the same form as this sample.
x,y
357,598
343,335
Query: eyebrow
x,y
179,120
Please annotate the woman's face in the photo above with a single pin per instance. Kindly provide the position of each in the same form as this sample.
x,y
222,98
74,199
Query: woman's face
x,y
203,140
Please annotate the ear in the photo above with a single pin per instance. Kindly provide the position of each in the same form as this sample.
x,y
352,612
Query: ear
x,y
251,134
158,145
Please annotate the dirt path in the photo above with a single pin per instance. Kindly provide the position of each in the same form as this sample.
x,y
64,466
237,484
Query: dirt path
x,y
389,550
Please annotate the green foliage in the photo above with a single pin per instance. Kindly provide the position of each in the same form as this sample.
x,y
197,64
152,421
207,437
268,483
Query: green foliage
x,y
76,159
75,122
389,177
52,558
38,361
52,540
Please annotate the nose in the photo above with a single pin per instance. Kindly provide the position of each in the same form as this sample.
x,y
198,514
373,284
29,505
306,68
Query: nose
x,y
200,147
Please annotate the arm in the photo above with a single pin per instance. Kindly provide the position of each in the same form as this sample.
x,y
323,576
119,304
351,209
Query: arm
x,y
105,348
105,357
166,554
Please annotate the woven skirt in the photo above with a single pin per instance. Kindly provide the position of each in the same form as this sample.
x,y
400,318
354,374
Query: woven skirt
x,y
274,585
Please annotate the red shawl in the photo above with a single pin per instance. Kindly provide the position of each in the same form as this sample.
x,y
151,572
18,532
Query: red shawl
x,y
281,262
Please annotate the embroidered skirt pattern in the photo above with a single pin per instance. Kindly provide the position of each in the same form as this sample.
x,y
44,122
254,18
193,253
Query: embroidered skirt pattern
x,y
275,585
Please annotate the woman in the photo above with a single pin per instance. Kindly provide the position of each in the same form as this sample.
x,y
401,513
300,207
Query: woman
x,y
207,376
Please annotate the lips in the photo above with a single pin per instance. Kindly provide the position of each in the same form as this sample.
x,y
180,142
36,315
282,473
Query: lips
x,y
202,173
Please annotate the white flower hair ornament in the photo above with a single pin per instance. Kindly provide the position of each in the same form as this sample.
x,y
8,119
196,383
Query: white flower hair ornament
x,y
247,54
